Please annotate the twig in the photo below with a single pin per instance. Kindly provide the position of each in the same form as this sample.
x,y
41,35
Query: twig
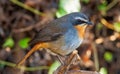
x,y
113,3
106,23
27,7
95,57
23,67
82,72
29,27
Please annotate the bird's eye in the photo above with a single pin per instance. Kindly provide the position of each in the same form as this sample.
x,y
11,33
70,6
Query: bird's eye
x,y
81,20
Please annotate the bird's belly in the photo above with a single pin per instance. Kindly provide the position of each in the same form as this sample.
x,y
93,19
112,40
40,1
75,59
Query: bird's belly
x,y
72,43
66,43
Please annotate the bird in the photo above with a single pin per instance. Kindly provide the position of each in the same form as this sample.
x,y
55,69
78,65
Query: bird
x,y
60,36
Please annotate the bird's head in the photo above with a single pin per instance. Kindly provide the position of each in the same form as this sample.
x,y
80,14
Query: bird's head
x,y
78,18
80,21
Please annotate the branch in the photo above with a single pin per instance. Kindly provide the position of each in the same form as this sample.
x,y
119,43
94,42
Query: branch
x,y
23,67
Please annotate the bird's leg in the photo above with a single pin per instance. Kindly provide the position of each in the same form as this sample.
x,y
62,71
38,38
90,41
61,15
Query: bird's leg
x,y
60,59
65,67
78,59
35,48
71,58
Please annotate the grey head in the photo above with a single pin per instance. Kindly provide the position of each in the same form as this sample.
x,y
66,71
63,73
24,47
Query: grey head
x,y
77,18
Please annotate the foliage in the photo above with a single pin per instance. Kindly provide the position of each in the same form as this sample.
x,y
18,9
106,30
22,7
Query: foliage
x,y
9,42
68,6
117,26
102,7
53,67
99,26
85,1
23,43
108,56
103,70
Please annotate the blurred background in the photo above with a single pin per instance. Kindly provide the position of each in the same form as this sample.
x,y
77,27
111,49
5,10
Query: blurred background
x,y
21,19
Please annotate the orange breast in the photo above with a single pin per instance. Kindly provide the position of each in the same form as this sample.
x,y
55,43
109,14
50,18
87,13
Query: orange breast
x,y
81,30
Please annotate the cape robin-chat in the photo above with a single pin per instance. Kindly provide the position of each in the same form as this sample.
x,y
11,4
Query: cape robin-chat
x,y
60,36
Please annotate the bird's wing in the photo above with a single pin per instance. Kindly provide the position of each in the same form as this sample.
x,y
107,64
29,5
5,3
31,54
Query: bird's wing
x,y
50,32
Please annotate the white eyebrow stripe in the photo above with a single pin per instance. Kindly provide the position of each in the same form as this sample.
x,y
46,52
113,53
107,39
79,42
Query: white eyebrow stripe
x,y
81,19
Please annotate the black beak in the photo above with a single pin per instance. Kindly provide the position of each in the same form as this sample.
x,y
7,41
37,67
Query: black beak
x,y
89,23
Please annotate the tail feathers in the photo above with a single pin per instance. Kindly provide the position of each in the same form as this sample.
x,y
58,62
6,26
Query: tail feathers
x,y
35,48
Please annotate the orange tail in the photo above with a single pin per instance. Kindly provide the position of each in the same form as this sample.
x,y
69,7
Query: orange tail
x,y
35,48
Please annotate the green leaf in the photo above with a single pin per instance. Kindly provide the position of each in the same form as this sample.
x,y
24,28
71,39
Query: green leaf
x,y
60,13
117,26
53,67
86,1
103,70
68,6
9,42
103,7
99,26
2,65
108,56
23,43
